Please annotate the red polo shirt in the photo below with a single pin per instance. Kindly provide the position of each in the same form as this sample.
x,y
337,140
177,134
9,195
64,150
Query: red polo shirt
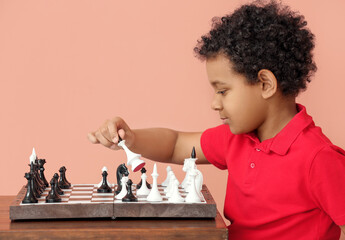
x,y
291,186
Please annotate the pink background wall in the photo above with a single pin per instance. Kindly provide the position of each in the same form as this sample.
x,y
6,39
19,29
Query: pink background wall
x,y
66,66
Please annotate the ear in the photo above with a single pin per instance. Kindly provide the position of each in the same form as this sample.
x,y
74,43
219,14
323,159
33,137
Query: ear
x,y
268,83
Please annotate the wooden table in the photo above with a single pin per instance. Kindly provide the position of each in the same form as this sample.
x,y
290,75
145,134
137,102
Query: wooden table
x,y
109,229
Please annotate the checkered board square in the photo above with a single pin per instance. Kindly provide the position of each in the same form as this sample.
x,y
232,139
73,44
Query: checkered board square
x,y
87,193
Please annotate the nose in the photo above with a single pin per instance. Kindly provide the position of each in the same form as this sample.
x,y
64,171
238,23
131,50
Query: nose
x,y
216,103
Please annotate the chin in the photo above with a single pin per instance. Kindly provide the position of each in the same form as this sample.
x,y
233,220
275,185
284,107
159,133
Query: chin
x,y
236,131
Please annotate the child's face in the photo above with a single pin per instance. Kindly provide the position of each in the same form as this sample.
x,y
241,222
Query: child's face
x,y
240,105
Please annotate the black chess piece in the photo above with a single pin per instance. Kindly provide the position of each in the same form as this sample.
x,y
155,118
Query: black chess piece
x,y
29,196
53,195
41,163
36,188
121,171
63,183
58,189
39,180
129,196
143,170
193,155
104,188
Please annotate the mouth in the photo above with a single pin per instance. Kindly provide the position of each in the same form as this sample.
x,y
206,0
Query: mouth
x,y
224,120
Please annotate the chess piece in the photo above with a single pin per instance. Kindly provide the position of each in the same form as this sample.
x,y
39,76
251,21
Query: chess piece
x,y
170,187
133,159
199,182
130,196
37,189
63,183
192,196
53,195
154,195
58,189
123,189
175,196
104,188
29,196
166,181
41,163
100,184
143,171
143,190
171,173
121,171
189,163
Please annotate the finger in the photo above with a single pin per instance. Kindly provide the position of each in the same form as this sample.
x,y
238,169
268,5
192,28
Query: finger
x,y
104,141
113,132
105,131
92,138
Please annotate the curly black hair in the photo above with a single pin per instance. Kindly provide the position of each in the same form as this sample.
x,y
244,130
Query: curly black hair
x,y
263,35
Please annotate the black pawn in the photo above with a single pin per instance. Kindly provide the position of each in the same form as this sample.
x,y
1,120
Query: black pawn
x,y
58,189
143,170
104,188
130,196
193,155
41,162
53,195
63,183
29,196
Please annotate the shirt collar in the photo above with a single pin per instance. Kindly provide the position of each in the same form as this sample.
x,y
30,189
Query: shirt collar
x,y
281,143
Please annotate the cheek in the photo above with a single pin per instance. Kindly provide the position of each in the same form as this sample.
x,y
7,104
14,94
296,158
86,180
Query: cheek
x,y
245,111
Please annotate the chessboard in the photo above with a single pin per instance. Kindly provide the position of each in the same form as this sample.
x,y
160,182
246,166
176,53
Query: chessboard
x,y
83,201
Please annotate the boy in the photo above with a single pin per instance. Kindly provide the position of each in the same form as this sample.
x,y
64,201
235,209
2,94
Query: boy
x,y
286,179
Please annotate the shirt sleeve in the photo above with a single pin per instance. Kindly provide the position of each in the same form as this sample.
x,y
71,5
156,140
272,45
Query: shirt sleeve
x,y
214,142
327,182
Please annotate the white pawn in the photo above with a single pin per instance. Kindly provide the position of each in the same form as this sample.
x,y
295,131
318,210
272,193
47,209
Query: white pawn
x,y
154,195
104,169
176,196
192,196
143,190
166,181
171,185
123,192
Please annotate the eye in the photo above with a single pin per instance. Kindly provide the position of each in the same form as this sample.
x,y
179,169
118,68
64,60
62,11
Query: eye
x,y
222,92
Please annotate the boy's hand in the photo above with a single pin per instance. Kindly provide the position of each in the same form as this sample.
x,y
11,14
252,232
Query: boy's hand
x,y
108,133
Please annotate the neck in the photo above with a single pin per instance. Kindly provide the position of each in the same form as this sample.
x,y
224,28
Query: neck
x,y
278,116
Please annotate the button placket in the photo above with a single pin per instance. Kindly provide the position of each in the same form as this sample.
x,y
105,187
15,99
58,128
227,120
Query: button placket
x,y
252,168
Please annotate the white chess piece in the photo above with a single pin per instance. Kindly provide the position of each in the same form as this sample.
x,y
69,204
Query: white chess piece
x,y
123,192
143,190
154,195
192,196
133,159
171,185
32,158
104,169
166,181
176,196
34,153
199,182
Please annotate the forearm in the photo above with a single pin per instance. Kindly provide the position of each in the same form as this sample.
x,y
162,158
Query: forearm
x,y
157,144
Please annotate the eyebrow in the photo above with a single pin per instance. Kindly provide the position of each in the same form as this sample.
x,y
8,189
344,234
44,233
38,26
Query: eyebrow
x,y
216,82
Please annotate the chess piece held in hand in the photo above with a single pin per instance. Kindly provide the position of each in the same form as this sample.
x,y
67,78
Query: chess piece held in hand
x,y
133,159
